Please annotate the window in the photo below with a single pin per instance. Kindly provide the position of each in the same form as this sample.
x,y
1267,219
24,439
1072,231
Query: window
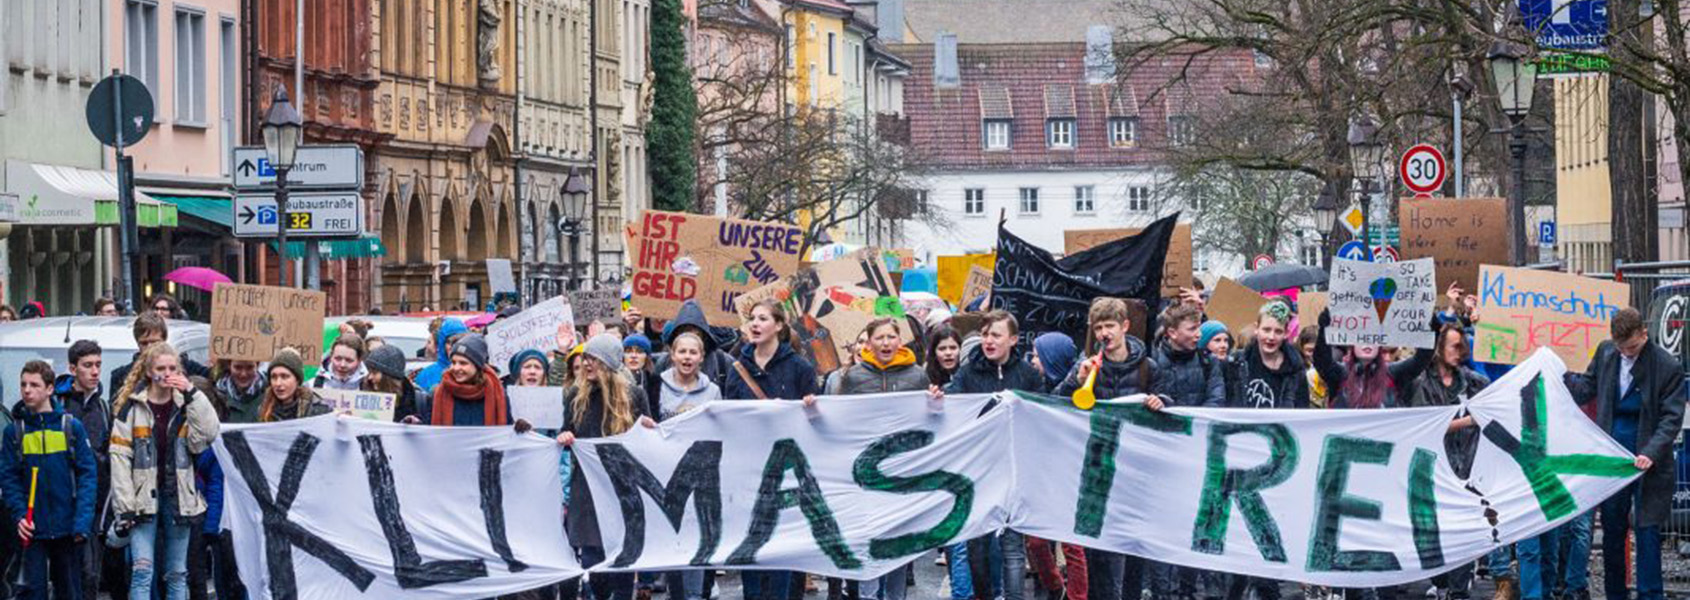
x,y
228,49
1061,133
815,89
1310,255
1123,132
1196,202
1138,199
190,67
1029,201
1200,261
140,52
791,55
832,64
997,135
974,201
1181,130
1083,203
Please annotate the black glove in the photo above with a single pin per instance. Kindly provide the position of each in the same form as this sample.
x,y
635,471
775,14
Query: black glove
x,y
523,426
1325,318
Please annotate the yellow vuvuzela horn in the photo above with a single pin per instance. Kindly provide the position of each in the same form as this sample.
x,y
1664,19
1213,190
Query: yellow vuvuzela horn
x,y
1086,396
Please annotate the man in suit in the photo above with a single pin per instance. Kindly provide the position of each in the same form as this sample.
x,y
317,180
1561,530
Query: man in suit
x,y
1640,401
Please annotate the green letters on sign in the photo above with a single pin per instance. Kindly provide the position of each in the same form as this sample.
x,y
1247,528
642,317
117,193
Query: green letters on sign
x,y
866,471
1222,484
1098,474
1544,470
772,499
1332,505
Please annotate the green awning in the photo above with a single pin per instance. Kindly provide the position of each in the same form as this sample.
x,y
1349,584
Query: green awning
x,y
363,247
148,213
212,209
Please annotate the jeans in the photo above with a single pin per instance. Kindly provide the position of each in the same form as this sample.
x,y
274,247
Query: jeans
x,y
685,585
1014,548
1105,572
1574,553
890,586
1616,520
764,585
980,571
163,527
58,560
962,584
1537,566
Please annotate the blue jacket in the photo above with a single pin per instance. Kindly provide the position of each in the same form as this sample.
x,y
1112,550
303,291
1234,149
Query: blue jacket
x,y
92,410
208,475
787,377
430,375
68,479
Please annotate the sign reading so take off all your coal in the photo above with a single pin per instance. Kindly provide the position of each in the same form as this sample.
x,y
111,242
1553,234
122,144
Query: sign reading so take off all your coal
x,y
253,322
679,257
1382,304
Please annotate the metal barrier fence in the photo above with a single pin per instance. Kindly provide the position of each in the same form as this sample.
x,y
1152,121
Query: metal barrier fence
x,y
1645,277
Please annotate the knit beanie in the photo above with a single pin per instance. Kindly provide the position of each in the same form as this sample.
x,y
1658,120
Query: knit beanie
x,y
525,356
288,358
1208,331
607,348
637,340
388,360
473,348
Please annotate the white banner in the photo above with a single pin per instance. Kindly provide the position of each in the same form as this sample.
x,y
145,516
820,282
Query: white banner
x,y
1382,304
532,329
860,489
333,507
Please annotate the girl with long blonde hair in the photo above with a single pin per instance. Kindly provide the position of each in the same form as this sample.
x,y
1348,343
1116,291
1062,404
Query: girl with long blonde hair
x,y
602,403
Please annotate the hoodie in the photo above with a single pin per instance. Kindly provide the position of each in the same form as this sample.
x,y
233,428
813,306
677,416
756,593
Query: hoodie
x,y
326,379
672,398
868,376
429,376
92,410
1254,385
979,375
1057,354
1135,375
68,480
718,364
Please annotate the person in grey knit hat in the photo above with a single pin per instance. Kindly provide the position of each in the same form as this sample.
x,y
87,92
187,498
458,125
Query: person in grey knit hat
x,y
607,348
473,347
387,360
387,376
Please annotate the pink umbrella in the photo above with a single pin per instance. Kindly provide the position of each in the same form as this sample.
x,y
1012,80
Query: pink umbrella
x,y
197,277
481,321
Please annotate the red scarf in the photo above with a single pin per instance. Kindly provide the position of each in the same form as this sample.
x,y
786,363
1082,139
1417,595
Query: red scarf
x,y
491,395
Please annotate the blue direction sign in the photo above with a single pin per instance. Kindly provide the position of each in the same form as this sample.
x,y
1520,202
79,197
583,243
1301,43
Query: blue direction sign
x,y
1567,24
1355,250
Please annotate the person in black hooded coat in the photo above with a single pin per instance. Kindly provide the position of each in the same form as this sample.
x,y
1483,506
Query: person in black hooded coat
x,y
717,365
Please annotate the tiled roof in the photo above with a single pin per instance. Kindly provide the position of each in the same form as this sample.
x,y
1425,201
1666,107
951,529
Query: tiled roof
x,y
1010,21
945,122
1059,102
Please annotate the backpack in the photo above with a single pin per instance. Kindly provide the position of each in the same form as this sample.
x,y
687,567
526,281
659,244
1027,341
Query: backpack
x,y
64,426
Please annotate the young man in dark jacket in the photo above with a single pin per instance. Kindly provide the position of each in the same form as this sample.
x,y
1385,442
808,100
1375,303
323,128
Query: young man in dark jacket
x,y
47,465
1187,376
1640,401
1125,369
80,395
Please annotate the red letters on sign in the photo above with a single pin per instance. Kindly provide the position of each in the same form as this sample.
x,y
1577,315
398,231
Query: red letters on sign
x,y
658,254
662,226
664,286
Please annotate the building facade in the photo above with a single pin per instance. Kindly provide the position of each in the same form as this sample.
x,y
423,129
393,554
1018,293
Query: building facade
x,y
555,146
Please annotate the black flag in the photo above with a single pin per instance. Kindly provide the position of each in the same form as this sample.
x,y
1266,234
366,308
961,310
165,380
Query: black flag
x,y
1046,294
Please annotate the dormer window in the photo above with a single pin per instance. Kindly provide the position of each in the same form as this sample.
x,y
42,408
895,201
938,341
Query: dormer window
x,y
1059,134
1123,132
997,134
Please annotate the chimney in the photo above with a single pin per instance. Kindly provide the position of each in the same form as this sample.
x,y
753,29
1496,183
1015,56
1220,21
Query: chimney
x,y
945,72
889,17
1100,55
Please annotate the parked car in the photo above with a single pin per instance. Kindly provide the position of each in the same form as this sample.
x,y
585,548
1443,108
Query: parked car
x,y
409,334
49,339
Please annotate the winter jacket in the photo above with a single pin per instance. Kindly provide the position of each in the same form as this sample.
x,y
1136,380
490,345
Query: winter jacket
x,y
580,522
243,402
305,404
787,376
1135,375
668,397
868,376
979,375
326,379
717,365
208,475
68,481
134,460
1659,377
1400,375
91,410
1429,390
1188,377
1254,385
429,376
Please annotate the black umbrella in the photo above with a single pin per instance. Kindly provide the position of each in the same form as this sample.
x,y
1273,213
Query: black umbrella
x,y
1281,276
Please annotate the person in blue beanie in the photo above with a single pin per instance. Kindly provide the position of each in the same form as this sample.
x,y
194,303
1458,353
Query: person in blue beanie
x,y
1214,338
1054,354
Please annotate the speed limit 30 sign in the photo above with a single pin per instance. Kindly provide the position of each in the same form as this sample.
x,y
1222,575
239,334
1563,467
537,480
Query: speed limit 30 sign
x,y
1422,169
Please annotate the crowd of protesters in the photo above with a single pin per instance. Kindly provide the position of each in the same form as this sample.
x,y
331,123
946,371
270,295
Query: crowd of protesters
x,y
110,483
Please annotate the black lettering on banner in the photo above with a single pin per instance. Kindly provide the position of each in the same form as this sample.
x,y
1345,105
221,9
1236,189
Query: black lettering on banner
x,y
493,508
772,499
866,472
408,567
281,536
698,476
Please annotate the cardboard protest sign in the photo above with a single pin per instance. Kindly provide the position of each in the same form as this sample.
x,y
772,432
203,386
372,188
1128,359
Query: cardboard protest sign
x,y
979,284
253,322
532,329
1456,233
499,277
1382,304
1235,305
541,406
1521,310
778,290
1309,305
953,273
1175,274
374,406
679,256
850,293
595,305
898,259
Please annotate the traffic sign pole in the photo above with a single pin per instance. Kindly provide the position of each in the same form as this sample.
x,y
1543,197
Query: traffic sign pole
x,y
125,201
282,228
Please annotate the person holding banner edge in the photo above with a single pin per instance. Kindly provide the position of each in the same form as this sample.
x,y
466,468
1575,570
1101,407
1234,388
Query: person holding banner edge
x,y
1190,376
602,403
49,477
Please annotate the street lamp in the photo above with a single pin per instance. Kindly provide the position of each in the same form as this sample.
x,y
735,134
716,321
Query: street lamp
x,y
1515,76
281,128
575,190
1325,218
1367,163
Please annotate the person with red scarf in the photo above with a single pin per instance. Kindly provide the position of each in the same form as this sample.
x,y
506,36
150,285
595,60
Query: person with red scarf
x,y
470,393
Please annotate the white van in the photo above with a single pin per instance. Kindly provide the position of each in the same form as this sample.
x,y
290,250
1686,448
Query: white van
x,y
49,339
